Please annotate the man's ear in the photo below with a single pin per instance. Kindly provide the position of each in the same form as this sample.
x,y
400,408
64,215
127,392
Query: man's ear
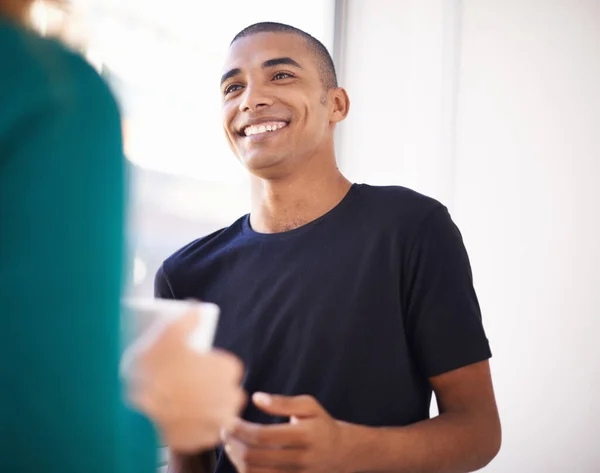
x,y
339,104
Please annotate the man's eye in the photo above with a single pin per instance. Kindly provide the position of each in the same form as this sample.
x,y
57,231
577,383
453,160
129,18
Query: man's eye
x,y
282,75
232,88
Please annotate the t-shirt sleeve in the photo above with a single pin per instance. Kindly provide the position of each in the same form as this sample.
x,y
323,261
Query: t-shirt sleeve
x,y
162,286
442,314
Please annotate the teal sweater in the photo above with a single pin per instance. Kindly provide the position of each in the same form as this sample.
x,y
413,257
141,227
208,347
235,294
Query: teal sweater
x,y
62,187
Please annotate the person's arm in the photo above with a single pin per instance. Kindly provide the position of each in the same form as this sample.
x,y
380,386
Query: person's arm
x,y
61,263
200,462
448,345
464,437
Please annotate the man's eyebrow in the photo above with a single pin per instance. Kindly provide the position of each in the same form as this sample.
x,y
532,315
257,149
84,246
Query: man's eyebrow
x,y
279,61
230,74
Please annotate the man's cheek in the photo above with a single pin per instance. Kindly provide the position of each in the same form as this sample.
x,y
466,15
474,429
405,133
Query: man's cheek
x,y
230,141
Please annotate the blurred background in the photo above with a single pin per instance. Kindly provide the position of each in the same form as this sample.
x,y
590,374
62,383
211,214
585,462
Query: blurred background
x,y
491,106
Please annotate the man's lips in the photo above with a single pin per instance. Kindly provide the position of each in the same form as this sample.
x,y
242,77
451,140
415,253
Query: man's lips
x,y
264,125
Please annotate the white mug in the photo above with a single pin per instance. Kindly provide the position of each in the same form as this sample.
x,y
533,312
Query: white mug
x,y
141,315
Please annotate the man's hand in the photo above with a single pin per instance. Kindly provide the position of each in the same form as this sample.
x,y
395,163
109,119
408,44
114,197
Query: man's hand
x,y
464,437
311,442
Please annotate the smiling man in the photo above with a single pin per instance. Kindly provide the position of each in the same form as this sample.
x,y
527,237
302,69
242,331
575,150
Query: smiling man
x,y
348,303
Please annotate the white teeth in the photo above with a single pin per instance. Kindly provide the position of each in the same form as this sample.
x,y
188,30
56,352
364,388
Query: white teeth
x,y
258,129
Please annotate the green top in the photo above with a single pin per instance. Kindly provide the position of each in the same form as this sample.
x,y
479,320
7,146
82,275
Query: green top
x,y
62,194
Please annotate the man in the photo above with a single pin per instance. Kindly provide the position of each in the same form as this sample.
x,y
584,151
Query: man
x,y
347,303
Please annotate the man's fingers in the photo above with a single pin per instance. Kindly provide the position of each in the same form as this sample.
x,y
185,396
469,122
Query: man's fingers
x,y
279,458
250,459
235,450
268,436
288,406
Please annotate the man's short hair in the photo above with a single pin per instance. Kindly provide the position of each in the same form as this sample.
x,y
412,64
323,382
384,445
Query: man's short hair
x,y
323,58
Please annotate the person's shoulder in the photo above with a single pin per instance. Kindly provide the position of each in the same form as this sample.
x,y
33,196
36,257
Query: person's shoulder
x,y
197,252
54,67
397,203
38,73
412,218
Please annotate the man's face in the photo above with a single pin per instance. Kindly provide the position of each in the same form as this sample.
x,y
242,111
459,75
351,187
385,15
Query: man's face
x,y
276,112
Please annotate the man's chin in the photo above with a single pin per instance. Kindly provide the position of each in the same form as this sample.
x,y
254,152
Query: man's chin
x,y
265,166
256,161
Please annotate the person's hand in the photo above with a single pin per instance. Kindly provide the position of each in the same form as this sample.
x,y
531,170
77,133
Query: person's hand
x,y
190,396
312,441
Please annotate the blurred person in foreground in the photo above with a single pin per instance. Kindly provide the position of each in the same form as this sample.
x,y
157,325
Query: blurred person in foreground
x,y
61,265
349,304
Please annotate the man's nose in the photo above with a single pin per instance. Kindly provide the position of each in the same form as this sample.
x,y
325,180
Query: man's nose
x,y
254,99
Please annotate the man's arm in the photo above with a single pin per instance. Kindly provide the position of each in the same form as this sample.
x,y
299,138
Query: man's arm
x,y
450,347
464,437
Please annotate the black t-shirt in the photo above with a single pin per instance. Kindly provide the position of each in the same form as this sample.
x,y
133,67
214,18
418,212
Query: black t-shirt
x,y
357,308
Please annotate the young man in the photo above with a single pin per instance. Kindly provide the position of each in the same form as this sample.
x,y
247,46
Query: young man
x,y
347,303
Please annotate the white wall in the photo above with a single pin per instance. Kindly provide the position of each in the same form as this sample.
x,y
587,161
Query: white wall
x,y
398,82
493,106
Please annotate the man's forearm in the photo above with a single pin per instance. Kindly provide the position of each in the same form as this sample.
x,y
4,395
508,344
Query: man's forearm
x,y
449,443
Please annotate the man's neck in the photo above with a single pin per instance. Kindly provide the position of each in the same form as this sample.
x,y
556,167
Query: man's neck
x,y
285,204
